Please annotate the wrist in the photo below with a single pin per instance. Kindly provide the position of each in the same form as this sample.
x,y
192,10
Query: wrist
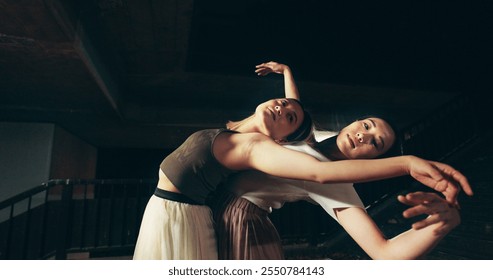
x,y
286,69
409,160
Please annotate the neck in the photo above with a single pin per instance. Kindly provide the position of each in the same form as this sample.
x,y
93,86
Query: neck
x,y
329,149
245,125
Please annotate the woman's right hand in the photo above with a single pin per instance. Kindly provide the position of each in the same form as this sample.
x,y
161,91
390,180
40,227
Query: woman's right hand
x,y
441,214
270,67
290,88
439,176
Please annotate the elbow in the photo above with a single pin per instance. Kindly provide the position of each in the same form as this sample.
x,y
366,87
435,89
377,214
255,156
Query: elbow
x,y
320,176
319,179
389,250
382,255
326,180
394,256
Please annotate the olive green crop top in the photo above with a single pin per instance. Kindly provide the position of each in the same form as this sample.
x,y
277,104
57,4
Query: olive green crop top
x,y
192,167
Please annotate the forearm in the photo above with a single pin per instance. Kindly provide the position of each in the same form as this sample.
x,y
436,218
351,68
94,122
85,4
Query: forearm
x,y
290,88
357,171
412,244
286,163
426,233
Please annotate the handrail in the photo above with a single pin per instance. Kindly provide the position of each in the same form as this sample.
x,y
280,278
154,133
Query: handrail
x,y
53,182
22,196
62,222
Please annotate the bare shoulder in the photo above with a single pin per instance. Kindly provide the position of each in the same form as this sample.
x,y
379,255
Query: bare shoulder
x,y
227,141
236,148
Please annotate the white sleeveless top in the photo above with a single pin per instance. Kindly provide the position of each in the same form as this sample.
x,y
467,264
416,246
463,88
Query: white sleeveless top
x,y
268,192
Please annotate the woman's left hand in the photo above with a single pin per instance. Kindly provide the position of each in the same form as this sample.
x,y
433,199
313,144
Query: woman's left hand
x,y
440,177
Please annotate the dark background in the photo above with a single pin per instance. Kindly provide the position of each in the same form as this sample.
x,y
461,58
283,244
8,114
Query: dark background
x,y
134,78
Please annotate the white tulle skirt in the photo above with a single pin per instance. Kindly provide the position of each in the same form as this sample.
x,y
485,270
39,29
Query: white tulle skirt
x,y
173,230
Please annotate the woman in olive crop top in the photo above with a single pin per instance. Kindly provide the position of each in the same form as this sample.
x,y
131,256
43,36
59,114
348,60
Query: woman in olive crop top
x,y
176,223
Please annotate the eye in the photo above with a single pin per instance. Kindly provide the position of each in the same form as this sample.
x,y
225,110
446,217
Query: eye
x,y
284,103
367,127
374,143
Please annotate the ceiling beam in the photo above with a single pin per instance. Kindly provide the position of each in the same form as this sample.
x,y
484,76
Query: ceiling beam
x,y
85,48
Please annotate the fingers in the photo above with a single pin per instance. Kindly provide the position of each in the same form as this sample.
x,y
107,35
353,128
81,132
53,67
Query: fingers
x,y
449,190
426,222
266,64
263,71
443,222
464,183
420,197
269,67
425,209
443,227
439,212
423,203
457,176
445,179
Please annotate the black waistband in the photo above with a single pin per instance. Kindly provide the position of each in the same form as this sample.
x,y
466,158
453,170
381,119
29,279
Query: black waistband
x,y
178,197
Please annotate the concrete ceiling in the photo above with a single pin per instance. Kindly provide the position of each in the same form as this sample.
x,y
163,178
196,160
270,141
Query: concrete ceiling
x,y
145,74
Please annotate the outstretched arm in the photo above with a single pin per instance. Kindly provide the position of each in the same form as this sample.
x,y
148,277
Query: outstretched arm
x,y
290,88
242,151
414,243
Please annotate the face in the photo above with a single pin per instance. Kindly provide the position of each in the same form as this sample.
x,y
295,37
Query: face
x,y
367,138
279,117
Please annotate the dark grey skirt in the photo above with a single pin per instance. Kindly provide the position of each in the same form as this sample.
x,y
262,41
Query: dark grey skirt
x,y
244,231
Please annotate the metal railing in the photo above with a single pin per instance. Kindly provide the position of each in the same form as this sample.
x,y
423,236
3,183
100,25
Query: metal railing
x,y
68,216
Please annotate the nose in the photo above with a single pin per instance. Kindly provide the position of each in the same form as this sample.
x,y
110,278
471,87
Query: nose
x,y
278,109
361,137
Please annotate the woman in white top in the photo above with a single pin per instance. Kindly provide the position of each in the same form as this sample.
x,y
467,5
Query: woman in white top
x,y
245,231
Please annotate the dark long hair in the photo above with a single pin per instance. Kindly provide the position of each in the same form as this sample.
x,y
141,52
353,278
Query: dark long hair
x,y
304,131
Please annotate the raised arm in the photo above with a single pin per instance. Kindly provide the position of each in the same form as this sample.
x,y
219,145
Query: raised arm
x,y
256,151
414,243
290,88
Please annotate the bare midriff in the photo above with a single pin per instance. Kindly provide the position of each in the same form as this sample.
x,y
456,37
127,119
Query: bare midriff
x,y
165,184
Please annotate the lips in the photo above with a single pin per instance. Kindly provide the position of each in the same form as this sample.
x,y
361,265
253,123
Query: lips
x,y
351,142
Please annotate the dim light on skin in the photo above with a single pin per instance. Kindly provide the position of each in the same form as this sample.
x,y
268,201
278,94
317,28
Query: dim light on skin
x,y
365,139
280,117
